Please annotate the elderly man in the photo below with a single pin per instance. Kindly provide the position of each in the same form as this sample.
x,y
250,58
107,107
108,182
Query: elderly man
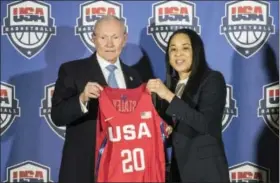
x,y
74,102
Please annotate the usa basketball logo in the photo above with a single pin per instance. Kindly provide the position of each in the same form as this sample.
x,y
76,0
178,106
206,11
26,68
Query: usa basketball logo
x,y
45,111
28,171
230,110
29,26
169,16
90,12
248,172
269,106
9,106
247,25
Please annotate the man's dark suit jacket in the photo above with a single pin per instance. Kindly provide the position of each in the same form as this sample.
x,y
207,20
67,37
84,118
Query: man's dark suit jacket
x,y
78,163
198,150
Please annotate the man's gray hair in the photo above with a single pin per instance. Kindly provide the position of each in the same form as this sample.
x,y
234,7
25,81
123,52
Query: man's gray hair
x,y
106,18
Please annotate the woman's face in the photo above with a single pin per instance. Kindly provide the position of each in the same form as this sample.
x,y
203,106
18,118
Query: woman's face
x,y
180,53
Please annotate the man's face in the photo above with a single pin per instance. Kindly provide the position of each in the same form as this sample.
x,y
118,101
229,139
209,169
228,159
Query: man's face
x,y
109,39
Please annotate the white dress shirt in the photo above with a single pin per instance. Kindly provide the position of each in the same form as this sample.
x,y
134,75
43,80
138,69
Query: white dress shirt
x,y
118,71
118,74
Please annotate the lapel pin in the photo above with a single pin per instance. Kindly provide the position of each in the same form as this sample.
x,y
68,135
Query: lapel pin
x,y
130,78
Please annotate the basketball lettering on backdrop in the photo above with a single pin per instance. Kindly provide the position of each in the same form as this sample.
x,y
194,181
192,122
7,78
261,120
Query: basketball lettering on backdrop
x,y
29,26
240,37
269,106
247,25
9,106
248,172
170,16
230,110
45,111
90,12
28,171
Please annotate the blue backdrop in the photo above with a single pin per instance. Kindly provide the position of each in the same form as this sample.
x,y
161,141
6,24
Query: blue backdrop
x,y
241,41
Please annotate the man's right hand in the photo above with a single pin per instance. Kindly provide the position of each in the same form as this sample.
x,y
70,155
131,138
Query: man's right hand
x,y
92,90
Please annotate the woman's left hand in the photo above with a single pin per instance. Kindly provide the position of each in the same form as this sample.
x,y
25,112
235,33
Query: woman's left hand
x,y
157,86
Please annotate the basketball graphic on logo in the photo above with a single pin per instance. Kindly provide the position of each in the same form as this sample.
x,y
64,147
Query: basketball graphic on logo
x,y
5,118
165,36
45,111
230,110
31,39
247,37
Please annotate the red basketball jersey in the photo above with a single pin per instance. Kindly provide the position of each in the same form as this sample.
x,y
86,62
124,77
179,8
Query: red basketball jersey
x,y
130,137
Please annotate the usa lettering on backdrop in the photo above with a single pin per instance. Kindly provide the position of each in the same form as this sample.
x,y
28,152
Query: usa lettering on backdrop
x,y
28,171
248,172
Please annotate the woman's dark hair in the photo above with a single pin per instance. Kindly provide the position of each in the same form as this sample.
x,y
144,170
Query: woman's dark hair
x,y
199,65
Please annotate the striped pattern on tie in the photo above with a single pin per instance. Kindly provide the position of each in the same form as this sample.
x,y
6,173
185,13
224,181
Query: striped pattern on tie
x,y
179,89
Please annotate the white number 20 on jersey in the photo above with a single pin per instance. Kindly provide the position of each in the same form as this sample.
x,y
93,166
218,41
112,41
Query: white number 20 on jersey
x,y
130,163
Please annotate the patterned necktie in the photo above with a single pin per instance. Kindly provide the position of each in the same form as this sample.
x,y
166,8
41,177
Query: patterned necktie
x,y
179,89
112,82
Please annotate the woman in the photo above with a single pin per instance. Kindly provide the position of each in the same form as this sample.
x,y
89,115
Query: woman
x,y
193,99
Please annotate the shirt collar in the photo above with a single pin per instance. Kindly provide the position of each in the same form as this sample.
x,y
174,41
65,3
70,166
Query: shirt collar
x,y
104,63
183,81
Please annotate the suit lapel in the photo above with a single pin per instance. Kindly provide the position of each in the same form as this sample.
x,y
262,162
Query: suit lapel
x,y
188,97
95,74
174,82
129,79
184,95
